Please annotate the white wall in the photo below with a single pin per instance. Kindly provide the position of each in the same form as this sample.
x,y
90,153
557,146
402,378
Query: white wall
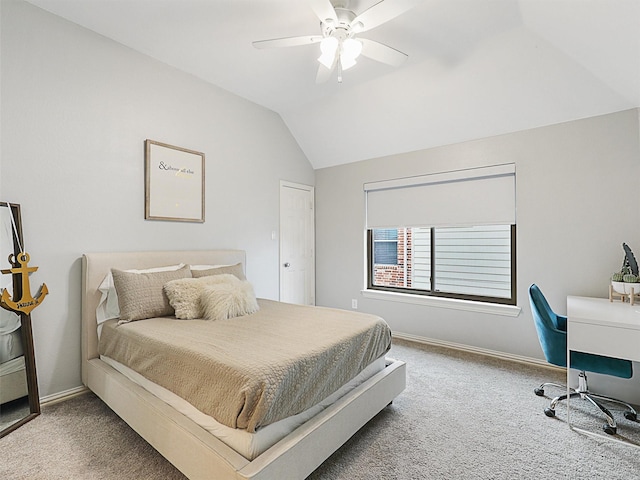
x,y
76,109
1,196
577,200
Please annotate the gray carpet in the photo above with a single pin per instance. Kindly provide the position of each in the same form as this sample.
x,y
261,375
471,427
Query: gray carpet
x,y
462,416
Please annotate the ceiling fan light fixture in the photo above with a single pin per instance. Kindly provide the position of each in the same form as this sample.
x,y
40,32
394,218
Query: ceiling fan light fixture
x,y
351,48
328,49
349,51
347,62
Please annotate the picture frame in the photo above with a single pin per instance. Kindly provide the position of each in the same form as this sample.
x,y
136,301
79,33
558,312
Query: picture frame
x,y
174,183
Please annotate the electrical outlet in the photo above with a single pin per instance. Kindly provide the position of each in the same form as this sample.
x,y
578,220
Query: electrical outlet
x,y
354,303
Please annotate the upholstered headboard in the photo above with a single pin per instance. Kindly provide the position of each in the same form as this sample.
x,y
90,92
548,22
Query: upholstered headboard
x,y
95,266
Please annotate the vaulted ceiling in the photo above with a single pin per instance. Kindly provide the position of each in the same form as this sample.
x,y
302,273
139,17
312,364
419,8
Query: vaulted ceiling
x,y
475,68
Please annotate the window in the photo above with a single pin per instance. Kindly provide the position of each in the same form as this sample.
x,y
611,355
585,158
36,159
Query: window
x,y
458,262
463,245
385,246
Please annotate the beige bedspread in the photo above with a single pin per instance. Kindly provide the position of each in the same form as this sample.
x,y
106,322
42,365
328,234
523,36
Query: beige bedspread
x,y
250,371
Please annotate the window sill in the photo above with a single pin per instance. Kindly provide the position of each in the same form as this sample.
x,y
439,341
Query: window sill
x,y
481,307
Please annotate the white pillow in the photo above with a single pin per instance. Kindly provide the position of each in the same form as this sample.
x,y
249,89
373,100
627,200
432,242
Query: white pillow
x,y
228,299
108,307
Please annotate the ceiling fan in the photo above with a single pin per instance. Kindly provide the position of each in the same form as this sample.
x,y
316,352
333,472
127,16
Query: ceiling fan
x,y
340,44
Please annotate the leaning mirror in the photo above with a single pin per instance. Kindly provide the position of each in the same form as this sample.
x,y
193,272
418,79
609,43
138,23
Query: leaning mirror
x,y
19,401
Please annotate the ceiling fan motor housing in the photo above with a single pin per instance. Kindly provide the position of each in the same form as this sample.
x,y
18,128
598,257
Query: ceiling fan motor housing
x,y
342,28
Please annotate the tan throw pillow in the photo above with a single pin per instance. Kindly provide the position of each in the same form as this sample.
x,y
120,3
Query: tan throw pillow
x,y
231,269
228,300
184,294
140,295
108,307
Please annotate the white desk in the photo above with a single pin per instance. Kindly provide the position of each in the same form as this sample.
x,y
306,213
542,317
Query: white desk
x,y
596,325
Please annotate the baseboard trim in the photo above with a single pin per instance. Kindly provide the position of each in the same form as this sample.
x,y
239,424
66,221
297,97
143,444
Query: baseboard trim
x,y
481,351
61,396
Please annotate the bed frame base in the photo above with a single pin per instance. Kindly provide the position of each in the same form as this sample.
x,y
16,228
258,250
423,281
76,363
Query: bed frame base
x,y
199,455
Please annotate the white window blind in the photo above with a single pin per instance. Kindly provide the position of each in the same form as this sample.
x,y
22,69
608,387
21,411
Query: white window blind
x,y
478,196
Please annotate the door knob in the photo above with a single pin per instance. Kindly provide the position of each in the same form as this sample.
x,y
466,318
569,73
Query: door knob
x,y
287,265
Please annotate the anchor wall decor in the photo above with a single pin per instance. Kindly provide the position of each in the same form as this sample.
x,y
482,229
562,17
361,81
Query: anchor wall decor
x,y
26,302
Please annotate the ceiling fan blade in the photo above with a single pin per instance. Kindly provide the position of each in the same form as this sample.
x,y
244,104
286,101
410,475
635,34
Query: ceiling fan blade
x,y
324,10
324,73
382,12
287,42
382,53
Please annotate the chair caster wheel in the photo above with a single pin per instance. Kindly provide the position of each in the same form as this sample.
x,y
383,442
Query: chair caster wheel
x,y
629,415
549,412
539,392
608,429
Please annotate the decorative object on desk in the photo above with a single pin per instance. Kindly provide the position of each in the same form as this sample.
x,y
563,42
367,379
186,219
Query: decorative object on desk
x,y
629,260
625,284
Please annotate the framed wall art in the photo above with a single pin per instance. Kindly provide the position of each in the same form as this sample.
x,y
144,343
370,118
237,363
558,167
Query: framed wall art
x,y
174,183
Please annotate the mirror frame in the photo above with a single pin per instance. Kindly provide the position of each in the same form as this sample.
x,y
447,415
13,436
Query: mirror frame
x,y
27,333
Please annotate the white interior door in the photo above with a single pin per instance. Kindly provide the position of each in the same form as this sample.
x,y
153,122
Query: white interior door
x,y
297,256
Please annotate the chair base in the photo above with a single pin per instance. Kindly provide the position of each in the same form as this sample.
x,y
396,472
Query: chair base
x,y
583,392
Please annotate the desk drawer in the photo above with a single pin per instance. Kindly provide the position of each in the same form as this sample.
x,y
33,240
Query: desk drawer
x,y
604,340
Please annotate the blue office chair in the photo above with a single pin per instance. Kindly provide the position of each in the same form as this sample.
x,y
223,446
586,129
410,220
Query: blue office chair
x,y
552,333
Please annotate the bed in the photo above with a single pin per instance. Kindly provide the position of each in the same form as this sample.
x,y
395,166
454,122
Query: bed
x,y
174,433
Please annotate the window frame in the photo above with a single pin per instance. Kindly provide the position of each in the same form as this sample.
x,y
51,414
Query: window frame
x,y
430,293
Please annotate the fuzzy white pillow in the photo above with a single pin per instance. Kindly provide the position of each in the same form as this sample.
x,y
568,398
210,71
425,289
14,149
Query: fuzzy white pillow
x,y
184,294
228,299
